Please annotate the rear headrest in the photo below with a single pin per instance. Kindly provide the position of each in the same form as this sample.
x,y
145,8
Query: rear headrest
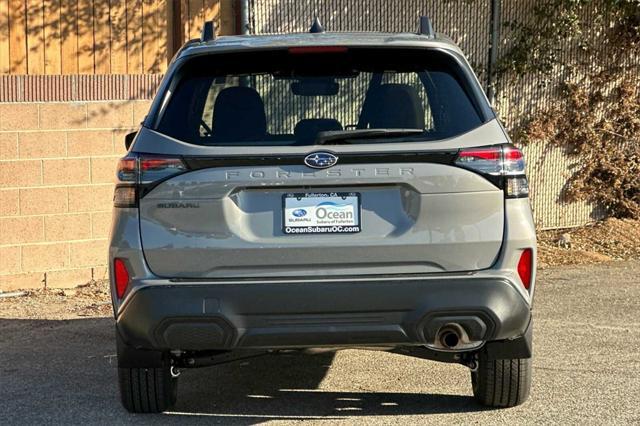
x,y
238,115
306,130
397,106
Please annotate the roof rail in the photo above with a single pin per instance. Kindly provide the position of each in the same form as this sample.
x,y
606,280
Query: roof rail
x,y
426,29
208,32
316,26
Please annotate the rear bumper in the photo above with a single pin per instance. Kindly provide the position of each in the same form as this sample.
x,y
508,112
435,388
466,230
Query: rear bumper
x,y
165,315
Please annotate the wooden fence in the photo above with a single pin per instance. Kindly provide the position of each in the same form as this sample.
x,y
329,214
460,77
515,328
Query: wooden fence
x,y
101,36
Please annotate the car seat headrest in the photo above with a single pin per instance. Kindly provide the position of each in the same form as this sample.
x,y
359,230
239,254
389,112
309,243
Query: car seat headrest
x,y
397,106
307,130
238,115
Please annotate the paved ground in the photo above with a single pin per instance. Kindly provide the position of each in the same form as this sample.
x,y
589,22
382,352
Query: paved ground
x,y
586,370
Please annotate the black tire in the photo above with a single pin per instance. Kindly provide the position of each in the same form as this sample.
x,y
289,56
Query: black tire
x,y
502,382
147,390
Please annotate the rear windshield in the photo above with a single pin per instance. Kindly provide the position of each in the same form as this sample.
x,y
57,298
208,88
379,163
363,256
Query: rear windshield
x,y
298,96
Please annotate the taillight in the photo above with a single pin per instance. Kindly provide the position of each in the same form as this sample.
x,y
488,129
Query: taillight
x,y
121,276
154,169
502,164
125,196
137,174
483,160
127,169
513,161
525,267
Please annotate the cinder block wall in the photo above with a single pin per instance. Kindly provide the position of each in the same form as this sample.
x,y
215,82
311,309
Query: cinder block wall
x,y
57,170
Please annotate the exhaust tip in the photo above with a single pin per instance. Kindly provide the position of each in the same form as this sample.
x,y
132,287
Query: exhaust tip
x,y
449,339
453,335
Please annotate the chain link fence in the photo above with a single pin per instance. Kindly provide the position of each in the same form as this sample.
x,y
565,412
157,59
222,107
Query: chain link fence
x,y
470,24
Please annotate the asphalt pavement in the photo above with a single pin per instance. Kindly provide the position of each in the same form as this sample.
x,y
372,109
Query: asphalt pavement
x,y
586,370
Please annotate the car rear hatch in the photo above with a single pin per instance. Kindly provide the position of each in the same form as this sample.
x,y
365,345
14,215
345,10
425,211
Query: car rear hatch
x,y
418,214
259,156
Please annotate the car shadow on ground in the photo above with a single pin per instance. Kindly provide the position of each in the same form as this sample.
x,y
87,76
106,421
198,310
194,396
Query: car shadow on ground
x,y
64,372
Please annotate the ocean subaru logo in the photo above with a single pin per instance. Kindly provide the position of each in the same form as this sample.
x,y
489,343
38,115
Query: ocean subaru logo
x,y
331,210
320,160
299,212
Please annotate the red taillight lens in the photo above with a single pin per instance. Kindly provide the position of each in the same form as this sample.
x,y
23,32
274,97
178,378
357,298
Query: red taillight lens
x,y
504,165
483,160
513,154
513,161
158,168
149,164
525,267
135,171
122,277
492,154
127,169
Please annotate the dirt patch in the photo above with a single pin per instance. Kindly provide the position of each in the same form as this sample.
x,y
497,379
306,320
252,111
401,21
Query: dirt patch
x,y
609,240
89,300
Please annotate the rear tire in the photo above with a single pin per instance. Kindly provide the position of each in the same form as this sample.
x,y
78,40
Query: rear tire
x,y
502,382
147,390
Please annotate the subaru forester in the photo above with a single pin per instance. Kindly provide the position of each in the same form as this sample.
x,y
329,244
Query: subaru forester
x,y
321,190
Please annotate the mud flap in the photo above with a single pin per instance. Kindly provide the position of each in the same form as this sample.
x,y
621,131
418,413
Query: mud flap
x,y
520,347
130,357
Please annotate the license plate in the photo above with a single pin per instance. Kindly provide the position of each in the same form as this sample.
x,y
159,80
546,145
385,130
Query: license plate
x,y
321,213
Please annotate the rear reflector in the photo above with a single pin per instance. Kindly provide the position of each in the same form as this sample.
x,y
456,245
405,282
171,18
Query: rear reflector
x,y
525,267
122,277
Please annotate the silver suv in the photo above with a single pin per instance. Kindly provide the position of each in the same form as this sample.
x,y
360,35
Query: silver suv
x,y
321,190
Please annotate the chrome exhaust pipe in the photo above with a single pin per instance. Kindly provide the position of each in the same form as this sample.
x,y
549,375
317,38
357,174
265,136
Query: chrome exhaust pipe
x,y
449,337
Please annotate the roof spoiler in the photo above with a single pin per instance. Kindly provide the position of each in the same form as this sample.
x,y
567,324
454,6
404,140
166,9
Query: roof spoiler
x,y
426,29
208,32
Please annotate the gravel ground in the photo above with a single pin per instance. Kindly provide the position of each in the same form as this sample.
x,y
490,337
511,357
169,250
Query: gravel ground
x,y
603,241
59,369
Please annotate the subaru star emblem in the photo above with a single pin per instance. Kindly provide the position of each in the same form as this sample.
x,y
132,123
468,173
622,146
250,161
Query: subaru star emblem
x,y
320,160
299,213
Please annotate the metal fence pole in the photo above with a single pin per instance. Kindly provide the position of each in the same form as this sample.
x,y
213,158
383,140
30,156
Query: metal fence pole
x,y
496,22
244,17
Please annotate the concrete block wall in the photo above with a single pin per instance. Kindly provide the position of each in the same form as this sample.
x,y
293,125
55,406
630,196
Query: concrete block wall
x,y
57,171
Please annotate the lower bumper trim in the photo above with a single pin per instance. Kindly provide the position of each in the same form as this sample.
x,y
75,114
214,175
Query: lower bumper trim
x,y
170,316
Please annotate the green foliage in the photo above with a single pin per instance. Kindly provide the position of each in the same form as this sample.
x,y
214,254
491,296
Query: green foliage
x,y
597,115
537,44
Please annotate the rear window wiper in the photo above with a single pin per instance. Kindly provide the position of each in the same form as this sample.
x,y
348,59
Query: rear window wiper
x,y
344,136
